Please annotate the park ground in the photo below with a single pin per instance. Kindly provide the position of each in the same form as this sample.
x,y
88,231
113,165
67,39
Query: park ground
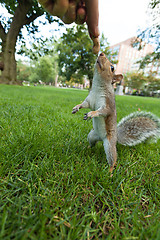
x,y
53,186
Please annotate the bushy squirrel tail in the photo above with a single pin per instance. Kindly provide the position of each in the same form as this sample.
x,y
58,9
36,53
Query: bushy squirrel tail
x,y
138,127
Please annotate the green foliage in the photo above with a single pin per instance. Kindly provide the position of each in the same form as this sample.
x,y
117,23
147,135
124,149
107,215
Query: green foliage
x,y
23,71
53,186
75,54
44,69
140,81
153,82
43,60
151,35
76,59
40,48
135,80
151,58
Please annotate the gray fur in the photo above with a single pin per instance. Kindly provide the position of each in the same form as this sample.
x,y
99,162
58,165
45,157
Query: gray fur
x,y
133,129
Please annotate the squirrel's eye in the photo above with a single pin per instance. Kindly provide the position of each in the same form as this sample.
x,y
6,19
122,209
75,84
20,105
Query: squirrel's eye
x,y
112,68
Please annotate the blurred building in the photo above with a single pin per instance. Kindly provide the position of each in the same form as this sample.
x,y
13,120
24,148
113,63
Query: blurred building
x,y
128,56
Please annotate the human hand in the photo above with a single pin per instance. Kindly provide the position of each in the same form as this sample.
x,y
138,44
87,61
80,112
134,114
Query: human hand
x,y
78,11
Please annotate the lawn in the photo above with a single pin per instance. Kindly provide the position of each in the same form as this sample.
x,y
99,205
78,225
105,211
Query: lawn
x,y
53,186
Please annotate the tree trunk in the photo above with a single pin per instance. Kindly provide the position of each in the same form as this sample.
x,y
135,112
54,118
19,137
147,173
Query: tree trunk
x,y
9,73
56,80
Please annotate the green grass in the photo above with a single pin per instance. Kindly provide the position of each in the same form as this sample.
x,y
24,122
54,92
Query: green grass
x,y
53,186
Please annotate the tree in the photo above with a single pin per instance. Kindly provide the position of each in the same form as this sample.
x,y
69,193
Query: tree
x,y
151,35
76,59
39,48
141,82
44,70
135,80
153,82
43,60
23,71
23,13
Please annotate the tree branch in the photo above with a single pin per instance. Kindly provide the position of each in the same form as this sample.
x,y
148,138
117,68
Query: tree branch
x,y
2,33
27,21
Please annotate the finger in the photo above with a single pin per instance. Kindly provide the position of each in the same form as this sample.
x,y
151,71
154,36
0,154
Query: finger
x,y
92,22
70,15
55,7
60,8
81,13
92,17
96,45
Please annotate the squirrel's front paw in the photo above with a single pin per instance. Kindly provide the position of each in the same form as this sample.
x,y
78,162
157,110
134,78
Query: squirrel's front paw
x,y
75,109
87,116
90,115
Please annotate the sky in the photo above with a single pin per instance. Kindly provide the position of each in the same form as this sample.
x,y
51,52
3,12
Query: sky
x,y
118,19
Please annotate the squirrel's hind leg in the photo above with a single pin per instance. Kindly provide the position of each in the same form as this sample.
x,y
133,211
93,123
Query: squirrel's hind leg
x,y
111,152
93,138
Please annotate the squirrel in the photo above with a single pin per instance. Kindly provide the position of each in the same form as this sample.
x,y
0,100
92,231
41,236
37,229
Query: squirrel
x,y
131,130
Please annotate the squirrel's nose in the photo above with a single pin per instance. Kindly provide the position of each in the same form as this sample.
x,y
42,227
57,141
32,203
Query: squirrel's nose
x,y
102,54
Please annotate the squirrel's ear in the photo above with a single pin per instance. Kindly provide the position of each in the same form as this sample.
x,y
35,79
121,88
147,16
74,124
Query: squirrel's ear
x,y
117,78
